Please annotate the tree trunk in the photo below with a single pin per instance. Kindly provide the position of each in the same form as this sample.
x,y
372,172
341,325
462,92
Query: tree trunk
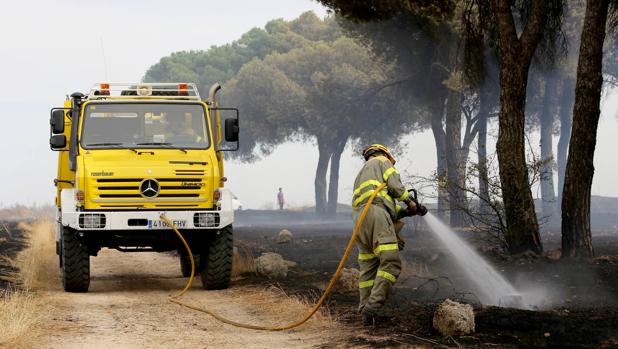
x,y
515,57
576,235
439,138
453,156
333,182
522,226
484,207
566,113
325,152
547,154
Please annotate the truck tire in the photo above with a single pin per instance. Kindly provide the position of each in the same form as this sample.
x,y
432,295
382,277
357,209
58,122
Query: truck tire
x,y
185,264
75,262
216,261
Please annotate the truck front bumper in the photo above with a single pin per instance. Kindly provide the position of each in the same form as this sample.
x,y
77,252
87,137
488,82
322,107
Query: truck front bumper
x,y
146,220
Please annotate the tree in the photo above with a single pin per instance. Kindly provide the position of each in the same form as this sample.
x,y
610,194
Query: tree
x,y
576,234
550,103
515,54
333,92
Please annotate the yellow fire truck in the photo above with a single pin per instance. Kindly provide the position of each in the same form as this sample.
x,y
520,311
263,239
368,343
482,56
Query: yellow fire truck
x,y
131,152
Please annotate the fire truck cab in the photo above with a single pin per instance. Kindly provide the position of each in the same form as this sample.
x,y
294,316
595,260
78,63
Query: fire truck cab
x,y
129,153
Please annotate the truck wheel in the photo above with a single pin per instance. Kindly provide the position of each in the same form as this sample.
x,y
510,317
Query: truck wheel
x,y
216,261
185,264
75,262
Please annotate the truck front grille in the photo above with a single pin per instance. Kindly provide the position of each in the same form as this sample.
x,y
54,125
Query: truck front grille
x,y
170,189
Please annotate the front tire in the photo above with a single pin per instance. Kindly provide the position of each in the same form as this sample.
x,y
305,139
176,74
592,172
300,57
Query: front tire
x,y
216,261
75,262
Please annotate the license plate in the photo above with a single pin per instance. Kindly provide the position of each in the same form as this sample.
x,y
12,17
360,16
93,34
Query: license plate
x,y
159,224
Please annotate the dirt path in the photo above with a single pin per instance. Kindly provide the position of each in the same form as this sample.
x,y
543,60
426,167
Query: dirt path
x,y
127,307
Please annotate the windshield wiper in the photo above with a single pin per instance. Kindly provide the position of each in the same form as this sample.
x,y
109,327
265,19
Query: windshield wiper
x,y
164,144
98,144
110,144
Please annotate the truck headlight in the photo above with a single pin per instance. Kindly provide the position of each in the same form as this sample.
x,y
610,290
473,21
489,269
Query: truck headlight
x,y
206,219
92,220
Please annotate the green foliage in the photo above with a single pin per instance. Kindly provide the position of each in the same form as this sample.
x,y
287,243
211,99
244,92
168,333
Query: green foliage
x,y
323,89
370,10
221,63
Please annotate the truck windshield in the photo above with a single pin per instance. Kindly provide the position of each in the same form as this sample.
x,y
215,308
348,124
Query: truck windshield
x,y
144,125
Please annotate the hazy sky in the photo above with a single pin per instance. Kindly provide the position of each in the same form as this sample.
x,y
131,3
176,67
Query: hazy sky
x,y
66,46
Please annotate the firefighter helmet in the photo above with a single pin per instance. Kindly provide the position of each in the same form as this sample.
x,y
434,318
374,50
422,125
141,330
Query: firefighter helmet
x,y
378,148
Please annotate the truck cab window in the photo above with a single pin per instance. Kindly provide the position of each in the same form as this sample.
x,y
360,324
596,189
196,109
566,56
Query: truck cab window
x,y
144,125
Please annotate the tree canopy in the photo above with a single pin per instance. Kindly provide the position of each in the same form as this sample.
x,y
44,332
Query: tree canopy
x,y
221,63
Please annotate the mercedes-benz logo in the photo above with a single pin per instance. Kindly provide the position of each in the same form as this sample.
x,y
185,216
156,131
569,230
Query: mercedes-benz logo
x,y
149,188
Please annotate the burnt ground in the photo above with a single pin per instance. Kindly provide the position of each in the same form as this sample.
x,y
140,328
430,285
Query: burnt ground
x,y
11,242
580,310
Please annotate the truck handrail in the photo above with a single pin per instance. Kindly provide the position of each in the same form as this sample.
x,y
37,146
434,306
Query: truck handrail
x,y
178,90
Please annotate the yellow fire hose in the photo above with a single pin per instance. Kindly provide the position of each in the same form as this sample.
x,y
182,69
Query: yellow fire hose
x,y
175,298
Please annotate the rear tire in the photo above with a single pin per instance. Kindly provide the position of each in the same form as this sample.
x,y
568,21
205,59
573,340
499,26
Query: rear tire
x,y
75,262
216,261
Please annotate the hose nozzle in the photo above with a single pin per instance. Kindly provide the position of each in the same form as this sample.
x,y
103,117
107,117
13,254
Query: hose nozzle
x,y
420,209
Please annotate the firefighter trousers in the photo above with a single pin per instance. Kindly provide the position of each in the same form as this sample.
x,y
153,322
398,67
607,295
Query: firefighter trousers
x,y
378,256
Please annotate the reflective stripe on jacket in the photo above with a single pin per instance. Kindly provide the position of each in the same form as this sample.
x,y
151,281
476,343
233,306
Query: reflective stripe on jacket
x,y
376,171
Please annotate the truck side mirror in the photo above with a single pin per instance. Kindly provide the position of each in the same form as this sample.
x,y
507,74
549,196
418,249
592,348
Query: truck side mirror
x,y
57,142
57,121
231,130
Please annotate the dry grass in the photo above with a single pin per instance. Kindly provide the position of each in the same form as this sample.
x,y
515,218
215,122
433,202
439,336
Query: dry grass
x,y
21,316
37,264
279,307
243,260
21,313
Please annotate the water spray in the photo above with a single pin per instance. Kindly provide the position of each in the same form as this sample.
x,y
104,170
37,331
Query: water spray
x,y
493,288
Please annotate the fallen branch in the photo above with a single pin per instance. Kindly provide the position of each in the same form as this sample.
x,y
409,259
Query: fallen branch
x,y
454,341
426,340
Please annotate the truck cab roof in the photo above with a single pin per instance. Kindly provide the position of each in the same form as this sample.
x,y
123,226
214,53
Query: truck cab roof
x,y
181,91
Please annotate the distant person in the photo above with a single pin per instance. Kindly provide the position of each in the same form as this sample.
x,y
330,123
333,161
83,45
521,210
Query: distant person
x,y
280,198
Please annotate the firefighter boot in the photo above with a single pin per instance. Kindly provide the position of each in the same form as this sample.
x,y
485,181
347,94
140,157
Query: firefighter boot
x,y
374,316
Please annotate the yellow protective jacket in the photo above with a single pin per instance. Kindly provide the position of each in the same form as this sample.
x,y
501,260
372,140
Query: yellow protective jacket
x,y
376,171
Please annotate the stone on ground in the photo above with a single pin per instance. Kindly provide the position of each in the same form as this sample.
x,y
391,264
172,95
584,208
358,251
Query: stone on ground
x,y
272,265
453,318
348,280
284,237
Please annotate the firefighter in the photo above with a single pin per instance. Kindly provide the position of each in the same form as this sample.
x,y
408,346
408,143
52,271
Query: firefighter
x,y
180,129
378,242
